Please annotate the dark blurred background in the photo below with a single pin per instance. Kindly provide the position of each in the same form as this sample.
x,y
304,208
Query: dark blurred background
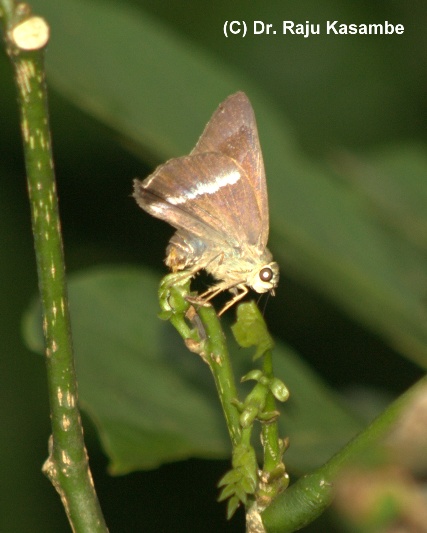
x,y
357,93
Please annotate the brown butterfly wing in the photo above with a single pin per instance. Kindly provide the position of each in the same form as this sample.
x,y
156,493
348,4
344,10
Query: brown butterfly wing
x,y
232,131
208,195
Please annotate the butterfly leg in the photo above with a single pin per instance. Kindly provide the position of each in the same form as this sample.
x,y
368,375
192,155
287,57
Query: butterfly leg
x,y
208,295
212,292
236,298
220,287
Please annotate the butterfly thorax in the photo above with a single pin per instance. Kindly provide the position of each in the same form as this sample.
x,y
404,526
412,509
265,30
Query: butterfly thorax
x,y
246,265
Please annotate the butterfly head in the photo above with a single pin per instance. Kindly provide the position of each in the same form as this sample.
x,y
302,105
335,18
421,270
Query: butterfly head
x,y
265,278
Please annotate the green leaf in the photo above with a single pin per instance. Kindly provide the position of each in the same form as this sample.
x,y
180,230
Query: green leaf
x,y
341,242
250,329
145,392
155,402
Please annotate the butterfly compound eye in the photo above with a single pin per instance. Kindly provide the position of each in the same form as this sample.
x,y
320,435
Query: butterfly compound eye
x,y
266,274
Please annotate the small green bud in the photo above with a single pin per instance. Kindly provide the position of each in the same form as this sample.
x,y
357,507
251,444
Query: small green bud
x,y
256,375
279,390
248,416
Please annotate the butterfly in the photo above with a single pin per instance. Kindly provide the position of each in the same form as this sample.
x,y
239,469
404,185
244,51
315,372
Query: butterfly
x,y
216,198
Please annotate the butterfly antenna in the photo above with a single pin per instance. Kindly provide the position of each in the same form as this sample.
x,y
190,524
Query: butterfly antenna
x,y
264,307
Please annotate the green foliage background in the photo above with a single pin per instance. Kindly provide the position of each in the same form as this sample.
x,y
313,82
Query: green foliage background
x,y
343,130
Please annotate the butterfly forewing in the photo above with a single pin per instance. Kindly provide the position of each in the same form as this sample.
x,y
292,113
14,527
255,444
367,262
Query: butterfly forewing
x,y
196,193
232,130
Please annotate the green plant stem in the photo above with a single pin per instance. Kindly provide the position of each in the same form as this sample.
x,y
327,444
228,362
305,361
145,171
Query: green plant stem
x,y
218,359
304,501
7,10
270,432
67,465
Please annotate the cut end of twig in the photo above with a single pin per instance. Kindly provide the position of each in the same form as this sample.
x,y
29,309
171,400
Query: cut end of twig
x,y
32,34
